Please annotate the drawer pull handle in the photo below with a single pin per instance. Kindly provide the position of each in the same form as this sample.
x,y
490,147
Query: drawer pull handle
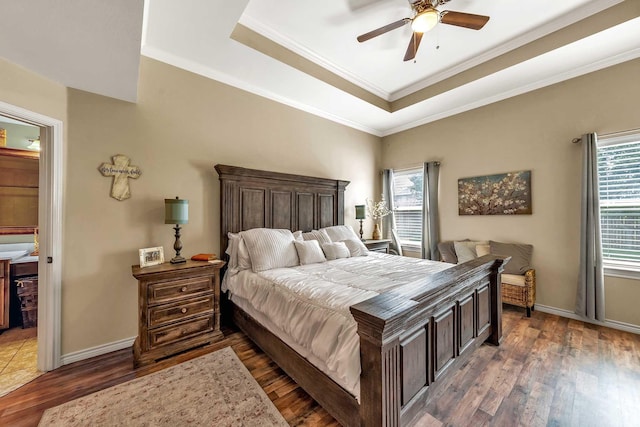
x,y
184,310
183,289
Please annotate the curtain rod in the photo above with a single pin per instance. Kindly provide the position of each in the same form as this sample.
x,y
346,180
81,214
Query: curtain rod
x,y
414,166
612,134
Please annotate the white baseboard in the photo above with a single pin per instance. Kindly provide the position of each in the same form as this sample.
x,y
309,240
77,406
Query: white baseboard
x,y
77,356
614,324
99,350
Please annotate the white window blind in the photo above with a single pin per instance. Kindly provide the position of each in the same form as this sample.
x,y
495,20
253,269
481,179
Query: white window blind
x,y
407,205
619,184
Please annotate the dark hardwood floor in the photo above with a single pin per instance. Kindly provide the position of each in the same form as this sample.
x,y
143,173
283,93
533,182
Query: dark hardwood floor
x,y
548,371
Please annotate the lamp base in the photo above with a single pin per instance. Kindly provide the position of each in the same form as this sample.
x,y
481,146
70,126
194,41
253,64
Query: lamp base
x,y
177,246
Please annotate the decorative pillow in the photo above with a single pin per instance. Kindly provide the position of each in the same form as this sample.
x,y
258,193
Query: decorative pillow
x,y
520,256
297,235
464,253
466,250
320,235
309,252
356,247
338,233
482,250
270,248
335,250
448,252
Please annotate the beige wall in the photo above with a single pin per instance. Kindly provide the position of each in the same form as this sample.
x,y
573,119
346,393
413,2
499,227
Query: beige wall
x,y
32,92
532,132
182,125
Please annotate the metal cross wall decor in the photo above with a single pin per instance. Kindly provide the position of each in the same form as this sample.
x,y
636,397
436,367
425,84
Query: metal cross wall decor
x,y
121,172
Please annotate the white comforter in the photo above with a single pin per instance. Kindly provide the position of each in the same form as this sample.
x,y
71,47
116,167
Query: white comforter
x,y
308,306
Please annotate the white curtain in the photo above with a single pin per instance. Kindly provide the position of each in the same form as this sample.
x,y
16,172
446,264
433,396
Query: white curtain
x,y
430,216
590,295
389,221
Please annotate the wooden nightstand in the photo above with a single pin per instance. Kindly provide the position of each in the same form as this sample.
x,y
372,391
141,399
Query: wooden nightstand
x,y
381,245
179,308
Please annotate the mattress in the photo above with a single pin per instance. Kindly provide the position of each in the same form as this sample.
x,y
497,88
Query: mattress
x,y
308,306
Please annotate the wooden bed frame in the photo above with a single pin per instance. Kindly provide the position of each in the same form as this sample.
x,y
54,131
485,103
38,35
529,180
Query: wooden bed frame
x,y
410,340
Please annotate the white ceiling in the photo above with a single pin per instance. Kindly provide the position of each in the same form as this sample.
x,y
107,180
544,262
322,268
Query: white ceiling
x,y
94,45
328,34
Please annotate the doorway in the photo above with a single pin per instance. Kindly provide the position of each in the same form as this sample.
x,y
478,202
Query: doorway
x,y
50,203
19,171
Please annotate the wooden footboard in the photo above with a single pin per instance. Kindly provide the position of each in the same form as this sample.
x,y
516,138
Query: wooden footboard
x,y
411,339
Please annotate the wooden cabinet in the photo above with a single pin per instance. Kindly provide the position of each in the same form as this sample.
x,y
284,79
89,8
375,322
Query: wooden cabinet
x,y
18,191
179,308
4,293
378,245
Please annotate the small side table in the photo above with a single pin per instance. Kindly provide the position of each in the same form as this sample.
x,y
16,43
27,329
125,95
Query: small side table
x,y
381,245
179,308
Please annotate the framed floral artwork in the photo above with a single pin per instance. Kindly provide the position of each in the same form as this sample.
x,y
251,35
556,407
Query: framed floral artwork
x,y
501,194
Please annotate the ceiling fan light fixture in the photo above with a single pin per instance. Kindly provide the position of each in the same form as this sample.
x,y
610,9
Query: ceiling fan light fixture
x,y
425,21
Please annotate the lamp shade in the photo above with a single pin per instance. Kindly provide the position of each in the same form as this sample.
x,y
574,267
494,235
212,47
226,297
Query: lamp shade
x,y
176,211
360,212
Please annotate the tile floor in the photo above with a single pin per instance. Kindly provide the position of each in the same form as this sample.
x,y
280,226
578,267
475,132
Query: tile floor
x,y
18,358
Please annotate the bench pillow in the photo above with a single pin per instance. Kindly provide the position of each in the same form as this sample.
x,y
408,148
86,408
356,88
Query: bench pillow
x,y
520,256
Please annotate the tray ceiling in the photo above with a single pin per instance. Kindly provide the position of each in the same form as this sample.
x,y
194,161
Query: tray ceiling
x,y
305,54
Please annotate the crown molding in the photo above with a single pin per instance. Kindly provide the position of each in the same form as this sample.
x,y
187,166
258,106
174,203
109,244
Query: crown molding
x,y
541,31
310,55
529,87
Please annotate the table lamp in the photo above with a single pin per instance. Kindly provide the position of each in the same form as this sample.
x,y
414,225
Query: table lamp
x,y
360,215
176,211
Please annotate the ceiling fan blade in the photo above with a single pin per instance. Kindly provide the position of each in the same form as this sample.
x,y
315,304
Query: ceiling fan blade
x,y
461,19
412,49
371,34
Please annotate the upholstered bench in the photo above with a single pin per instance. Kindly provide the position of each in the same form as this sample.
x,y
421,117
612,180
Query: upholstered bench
x,y
518,282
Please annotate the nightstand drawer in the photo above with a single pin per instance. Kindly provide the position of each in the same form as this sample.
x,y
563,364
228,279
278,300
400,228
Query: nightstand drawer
x,y
175,332
165,313
169,291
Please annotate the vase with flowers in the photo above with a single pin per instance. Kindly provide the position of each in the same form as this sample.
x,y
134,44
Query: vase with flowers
x,y
377,210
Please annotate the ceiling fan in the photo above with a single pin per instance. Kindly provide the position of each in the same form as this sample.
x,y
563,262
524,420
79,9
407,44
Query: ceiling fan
x,y
425,17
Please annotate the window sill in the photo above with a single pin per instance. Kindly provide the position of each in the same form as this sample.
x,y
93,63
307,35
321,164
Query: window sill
x,y
622,272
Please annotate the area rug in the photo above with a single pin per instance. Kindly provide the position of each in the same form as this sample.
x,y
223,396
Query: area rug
x,y
212,390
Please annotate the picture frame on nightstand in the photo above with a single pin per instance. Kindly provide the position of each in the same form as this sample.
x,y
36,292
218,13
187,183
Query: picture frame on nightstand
x,y
151,256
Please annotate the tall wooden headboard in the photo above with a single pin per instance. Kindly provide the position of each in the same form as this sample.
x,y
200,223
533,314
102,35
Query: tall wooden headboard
x,y
252,198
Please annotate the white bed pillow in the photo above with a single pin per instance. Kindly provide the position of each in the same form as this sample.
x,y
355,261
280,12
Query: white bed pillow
x,y
270,248
356,247
309,252
238,254
320,235
297,235
338,233
335,250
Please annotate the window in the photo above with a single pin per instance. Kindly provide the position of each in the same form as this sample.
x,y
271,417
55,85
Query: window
x,y
619,180
407,205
